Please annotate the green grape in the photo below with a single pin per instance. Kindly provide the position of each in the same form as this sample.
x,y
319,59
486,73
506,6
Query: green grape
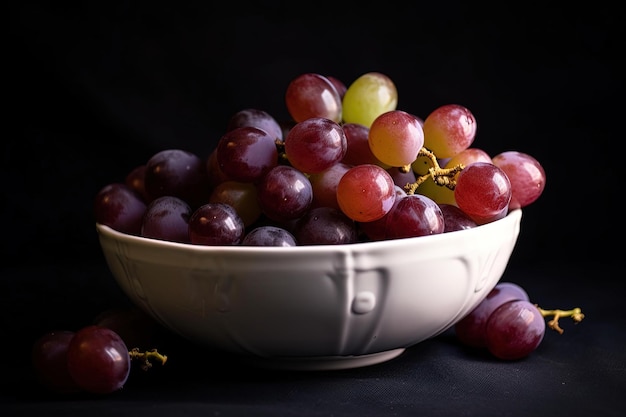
x,y
438,193
369,96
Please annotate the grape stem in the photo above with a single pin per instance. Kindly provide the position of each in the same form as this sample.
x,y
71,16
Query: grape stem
x,y
442,176
575,313
146,357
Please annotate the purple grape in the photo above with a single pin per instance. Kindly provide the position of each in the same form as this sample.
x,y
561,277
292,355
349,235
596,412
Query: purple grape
x,y
414,215
269,236
285,193
455,219
256,118
177,173
98,360
514,330
325,226
246,154
119,207
216,224
167,218
470,330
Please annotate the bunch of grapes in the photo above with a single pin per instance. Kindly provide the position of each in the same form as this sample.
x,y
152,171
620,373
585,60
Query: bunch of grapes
x,y
348,167
507,324
94,359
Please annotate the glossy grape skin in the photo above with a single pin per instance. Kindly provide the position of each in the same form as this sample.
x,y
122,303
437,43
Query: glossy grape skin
x,y
527,176
313,95
285,193
366,193
395,138
242,196
268,235
449,129
471,329
98,360
315,144
49,360
455,219
214,172
483,192
178,173
414,215
119,207
246,154
339,85
325,226
514,330
167,218
468,156
256,118
369,96
216,224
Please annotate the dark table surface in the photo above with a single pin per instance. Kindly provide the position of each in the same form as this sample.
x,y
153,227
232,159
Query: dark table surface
x,y
95,90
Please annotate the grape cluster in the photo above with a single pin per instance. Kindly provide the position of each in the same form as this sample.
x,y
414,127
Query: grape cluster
x,y
507,324
348,167
94,359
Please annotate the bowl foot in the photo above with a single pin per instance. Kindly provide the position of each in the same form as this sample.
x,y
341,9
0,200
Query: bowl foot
x,y
325,363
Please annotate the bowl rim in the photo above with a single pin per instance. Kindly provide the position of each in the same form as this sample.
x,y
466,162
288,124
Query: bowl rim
x,y
514,216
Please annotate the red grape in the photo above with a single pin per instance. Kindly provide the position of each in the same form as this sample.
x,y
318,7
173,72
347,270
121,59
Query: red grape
x,y
449,129
325,226
313,95
514,330
527,176
470,330
366,192
412,216
269,236
483,191
285,193
315,144
216,224
256,118
98,360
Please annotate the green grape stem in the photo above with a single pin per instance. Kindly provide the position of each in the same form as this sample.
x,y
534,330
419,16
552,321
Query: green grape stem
x,y
443,177
575,313
147,357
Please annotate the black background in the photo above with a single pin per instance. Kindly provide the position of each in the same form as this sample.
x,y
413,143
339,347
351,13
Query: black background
x,y
95,89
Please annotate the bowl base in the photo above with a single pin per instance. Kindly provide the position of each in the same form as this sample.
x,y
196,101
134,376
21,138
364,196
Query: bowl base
x,y
325,363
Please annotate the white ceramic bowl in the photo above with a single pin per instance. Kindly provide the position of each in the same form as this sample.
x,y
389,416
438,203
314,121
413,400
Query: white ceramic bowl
x,y
313,307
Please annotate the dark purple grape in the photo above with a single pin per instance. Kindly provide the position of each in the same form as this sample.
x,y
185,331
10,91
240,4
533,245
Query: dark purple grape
x,y
98,360
167,218
514,330
414,215
455,219
119,207
285,193
136,181
178,173
325,226
216,224
269,236
358,149
315,145
256,118
470,330
246,154
49,359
